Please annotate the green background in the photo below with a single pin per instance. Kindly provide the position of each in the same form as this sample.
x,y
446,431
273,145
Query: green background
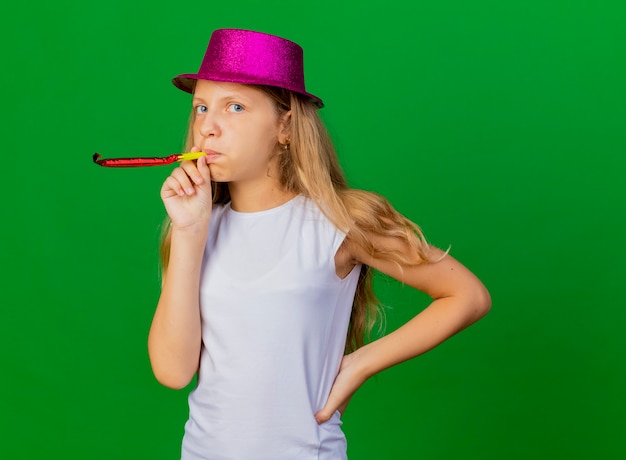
x,y
497,126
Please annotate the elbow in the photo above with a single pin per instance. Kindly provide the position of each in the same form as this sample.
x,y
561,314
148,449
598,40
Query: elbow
x,y
171,372
482,301
173,380
174,384
171,369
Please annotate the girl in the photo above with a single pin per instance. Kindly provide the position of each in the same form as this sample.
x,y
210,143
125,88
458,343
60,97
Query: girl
x,y
267,257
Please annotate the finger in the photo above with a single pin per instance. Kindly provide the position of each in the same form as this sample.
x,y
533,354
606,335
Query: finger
x,y
192,172
171,187
181,176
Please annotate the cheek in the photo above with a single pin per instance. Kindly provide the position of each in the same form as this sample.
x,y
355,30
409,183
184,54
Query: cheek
x,y
195,134
267,135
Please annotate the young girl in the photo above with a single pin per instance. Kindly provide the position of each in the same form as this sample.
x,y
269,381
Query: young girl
x,y
268,258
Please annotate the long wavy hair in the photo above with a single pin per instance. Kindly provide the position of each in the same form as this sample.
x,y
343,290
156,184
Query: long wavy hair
x,y
310,167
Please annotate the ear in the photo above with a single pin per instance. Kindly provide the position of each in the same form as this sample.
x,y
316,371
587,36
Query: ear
x,y
284,128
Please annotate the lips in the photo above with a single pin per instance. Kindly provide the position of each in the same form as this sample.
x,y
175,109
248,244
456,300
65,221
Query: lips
x,y
211,154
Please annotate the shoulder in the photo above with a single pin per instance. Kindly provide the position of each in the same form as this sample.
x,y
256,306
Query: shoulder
x,y
318,213
432,271
373,249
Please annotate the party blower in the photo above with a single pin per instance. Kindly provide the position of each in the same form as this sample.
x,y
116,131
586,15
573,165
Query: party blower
x,y
135,162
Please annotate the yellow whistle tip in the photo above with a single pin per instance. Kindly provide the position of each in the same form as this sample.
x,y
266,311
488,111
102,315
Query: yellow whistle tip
x,y
191,156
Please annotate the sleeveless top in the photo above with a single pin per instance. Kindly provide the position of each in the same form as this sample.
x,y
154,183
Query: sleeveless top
x,y
274,322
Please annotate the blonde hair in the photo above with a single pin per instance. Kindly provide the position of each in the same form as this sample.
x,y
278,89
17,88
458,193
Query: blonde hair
x,y
310,167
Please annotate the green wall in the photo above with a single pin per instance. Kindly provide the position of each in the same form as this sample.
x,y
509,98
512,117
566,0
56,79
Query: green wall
x,y
497,126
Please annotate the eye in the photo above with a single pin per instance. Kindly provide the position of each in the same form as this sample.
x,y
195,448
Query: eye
x,y
235,108
200,109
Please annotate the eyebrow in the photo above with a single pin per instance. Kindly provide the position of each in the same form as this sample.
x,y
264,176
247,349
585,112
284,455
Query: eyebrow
x,y
197,99
230,95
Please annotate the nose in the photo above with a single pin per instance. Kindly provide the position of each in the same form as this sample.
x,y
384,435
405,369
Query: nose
x,y
209,126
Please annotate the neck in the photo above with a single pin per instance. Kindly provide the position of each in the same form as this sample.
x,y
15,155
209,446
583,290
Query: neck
x,y
257,197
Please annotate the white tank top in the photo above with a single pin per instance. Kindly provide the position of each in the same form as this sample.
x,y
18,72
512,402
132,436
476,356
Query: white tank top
x,y
274,322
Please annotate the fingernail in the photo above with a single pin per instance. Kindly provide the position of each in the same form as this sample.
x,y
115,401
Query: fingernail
x,y
190,190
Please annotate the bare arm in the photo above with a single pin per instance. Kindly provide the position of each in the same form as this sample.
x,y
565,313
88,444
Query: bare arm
x,y
459,299
175,339
175,335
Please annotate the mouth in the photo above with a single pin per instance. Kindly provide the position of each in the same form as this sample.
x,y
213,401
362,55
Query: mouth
x,y
211,154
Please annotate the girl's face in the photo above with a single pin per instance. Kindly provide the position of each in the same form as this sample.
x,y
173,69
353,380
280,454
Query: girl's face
x,y
237,126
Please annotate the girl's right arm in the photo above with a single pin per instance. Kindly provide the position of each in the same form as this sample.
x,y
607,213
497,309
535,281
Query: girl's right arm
x,y
175,335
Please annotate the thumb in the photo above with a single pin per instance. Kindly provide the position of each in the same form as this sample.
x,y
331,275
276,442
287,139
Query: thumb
x,y
345,385
204,189
332,405
323,416
205,172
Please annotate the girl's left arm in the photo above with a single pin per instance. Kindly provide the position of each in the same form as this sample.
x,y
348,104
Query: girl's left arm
x,y
459,299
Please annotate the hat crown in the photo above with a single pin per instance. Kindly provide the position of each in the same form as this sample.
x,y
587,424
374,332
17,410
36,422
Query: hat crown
x,y
267,59
250,57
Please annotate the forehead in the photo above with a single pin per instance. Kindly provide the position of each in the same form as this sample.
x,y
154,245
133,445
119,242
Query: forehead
x,y
208,89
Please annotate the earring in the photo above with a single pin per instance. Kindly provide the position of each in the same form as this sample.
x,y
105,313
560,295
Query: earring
x,y
285,146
